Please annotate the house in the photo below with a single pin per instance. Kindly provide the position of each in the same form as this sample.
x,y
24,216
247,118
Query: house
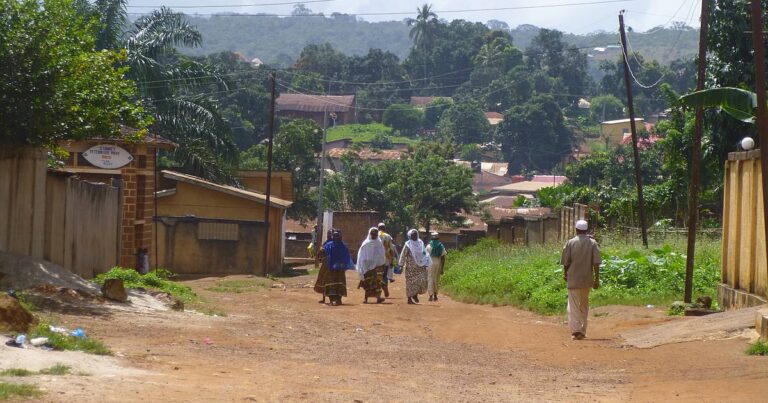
x,y
281,185
206,228
494,118
531,187
129,166
341,109
422,102
613,131
333,160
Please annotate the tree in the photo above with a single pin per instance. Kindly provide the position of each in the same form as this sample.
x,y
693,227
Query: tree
x,y
295,146
465,122
435,110
54,85
403,118
423,27
533,136
606,107
471,152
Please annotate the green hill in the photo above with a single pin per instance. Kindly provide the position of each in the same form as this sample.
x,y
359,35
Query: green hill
x,y
279,40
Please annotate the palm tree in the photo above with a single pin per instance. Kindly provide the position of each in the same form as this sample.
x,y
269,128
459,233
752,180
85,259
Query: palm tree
x,y
423,27
423,32
171,90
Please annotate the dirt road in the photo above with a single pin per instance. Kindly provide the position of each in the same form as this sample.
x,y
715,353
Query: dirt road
x,y
281,345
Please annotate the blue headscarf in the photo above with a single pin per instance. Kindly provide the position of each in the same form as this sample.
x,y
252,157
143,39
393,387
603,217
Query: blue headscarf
x,y
338,256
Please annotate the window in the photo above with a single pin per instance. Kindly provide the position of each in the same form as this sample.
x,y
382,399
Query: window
x,y
217,231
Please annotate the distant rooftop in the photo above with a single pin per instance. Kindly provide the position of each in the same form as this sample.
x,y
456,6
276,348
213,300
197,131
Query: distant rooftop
x,y
424,101
315,103
613,122
367,154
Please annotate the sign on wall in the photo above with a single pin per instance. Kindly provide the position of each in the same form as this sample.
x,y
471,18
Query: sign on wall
x,y
108,156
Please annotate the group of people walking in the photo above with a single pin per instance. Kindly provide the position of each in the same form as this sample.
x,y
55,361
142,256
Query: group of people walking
x,y
377,263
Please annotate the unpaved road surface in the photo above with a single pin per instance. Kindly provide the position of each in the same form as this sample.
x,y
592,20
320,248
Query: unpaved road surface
x,y
282,345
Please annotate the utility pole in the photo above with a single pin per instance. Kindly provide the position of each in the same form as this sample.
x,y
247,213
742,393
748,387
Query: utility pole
x,y
693,188
635,151
269,175
320,231
762,113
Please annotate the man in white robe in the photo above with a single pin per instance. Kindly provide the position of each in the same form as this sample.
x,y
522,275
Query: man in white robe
x,y
581,263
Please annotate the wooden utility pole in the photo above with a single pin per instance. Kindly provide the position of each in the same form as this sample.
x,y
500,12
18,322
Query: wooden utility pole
x,y
269,174
633,128
693,187
762,113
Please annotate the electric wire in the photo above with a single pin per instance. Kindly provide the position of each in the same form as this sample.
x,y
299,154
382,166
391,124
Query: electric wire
x,y
236,5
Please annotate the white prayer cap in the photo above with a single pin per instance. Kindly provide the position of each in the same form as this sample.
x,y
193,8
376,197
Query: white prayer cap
x,y
582,225
434,233
381,224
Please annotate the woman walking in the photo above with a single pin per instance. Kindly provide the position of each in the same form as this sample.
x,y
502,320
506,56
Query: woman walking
x,y
337,261
321,259
436,251
371,265
415,260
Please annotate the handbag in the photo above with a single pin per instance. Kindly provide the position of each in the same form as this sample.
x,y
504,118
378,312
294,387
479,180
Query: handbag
x,y
398,270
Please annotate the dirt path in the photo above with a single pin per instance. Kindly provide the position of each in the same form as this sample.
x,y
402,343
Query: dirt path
x,y
281,345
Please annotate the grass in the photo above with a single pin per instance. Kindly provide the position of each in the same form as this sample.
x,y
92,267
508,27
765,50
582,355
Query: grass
x,y
531,277
9,390
239,286
159,279
63,342
758,348
365,133
58,369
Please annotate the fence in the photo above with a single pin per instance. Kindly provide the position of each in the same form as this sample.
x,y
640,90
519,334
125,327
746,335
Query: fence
x,y
568,218
744,267
48,216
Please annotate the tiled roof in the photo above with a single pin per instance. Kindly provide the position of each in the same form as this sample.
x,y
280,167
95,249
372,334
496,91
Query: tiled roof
x,y
231,190
424,101
367,154
494,118
315,103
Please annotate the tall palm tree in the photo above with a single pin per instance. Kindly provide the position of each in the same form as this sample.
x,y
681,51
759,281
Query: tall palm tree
x,y
173,91
423,32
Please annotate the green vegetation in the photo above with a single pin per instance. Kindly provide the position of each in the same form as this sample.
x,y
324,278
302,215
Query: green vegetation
x,y
58,369
156,279
9,390
365,133
239,286
16,372
65,342
531,277
758,348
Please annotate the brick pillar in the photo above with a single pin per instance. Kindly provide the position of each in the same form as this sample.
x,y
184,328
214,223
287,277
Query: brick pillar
x,y
128,240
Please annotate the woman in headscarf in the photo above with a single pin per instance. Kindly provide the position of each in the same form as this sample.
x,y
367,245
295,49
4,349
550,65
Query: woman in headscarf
x,y
338,261
371,264
320,258
415,261
436,251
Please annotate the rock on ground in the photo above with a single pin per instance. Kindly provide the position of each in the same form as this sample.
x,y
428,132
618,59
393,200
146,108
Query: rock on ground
x,y
115,290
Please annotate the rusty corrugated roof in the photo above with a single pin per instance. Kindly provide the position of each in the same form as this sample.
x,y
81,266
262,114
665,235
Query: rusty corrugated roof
x,y
315,103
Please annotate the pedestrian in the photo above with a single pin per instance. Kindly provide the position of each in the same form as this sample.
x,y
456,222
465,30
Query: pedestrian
x,y
321,260
371,264
437,252
336,260
415,260
581,271
391,253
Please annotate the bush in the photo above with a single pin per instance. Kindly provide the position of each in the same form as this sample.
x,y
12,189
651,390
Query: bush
x,y
758,348
532,278
156,279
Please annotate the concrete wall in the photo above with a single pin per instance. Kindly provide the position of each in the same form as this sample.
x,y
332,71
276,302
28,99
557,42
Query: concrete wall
x,y
296,247
744,266
82,225
182,251
568,218
354,225
56,217
525,230
22,202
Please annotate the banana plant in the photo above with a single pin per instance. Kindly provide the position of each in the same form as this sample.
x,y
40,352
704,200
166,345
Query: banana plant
x,y
737,102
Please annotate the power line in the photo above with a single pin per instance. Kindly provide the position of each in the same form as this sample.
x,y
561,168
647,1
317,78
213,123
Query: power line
x,y
539,6
239,5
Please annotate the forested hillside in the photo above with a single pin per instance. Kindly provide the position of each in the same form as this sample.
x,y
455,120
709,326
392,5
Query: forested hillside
x,y
279,40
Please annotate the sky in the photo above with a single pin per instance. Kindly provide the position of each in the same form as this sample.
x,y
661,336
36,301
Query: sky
x,y
578,18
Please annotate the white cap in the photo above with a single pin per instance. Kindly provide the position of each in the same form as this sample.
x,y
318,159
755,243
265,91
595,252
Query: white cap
x,y
381,224
434,233
582,225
